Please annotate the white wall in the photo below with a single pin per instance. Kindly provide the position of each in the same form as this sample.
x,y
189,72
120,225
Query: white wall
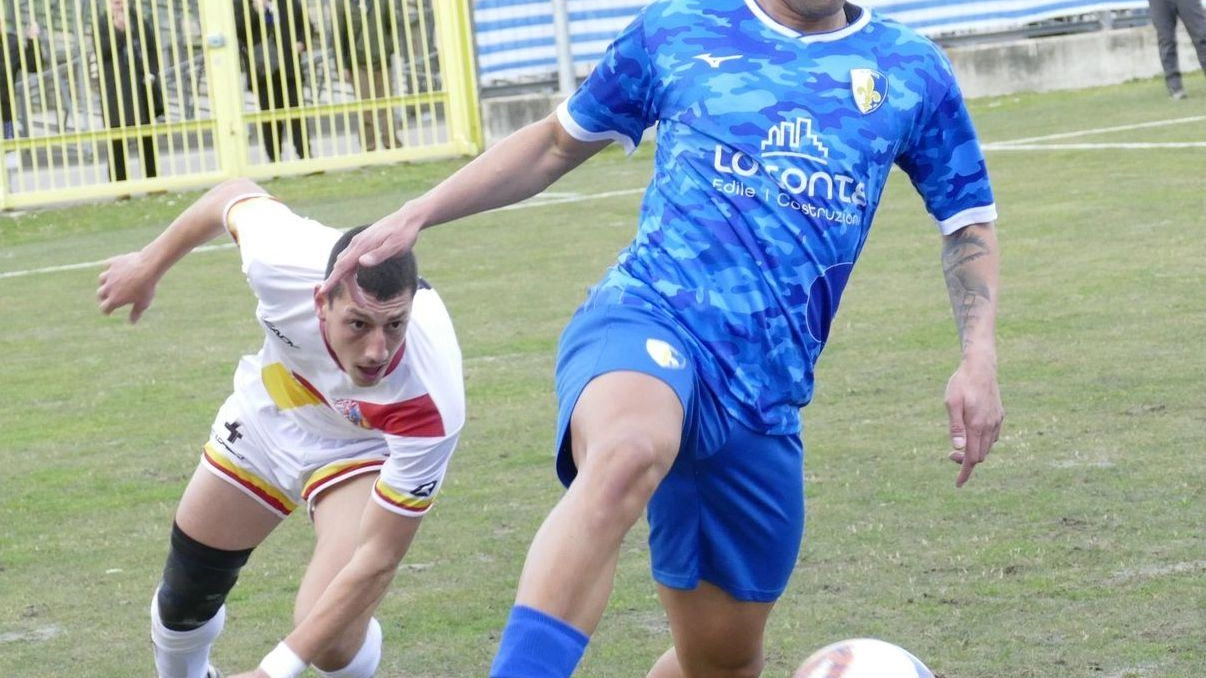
x,y
1068,62
1036,65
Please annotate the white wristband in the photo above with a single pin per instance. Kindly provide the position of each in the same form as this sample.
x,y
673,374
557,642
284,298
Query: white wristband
x,y
282,662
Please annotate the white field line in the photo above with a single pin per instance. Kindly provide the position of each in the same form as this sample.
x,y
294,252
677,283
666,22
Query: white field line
x,y
1098,130
1093,147
558,198
539,201
91,264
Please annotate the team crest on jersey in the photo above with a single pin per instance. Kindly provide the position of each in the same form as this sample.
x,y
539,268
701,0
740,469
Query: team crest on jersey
x,y
350,409
870,89
664,354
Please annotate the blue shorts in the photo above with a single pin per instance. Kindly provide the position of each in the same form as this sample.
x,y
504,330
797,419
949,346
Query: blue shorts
x,y
731,509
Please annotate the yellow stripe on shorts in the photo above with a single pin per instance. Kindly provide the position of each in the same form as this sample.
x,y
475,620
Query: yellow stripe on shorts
x,y
402,500
254,484
338,472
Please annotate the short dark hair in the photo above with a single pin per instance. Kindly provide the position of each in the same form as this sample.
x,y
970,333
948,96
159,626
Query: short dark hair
x,y
397,275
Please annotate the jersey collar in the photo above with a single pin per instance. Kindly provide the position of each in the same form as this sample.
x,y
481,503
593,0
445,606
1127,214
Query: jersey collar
x,y
857,24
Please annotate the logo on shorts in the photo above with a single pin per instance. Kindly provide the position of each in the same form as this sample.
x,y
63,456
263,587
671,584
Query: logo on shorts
x,y
424,490
664,354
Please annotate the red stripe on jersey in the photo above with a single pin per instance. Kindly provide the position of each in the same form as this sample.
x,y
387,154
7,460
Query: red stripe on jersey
x,y
417,418
310,387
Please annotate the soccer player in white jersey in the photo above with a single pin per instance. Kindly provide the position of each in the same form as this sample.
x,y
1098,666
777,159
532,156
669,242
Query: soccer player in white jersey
x,y
681,377
352,407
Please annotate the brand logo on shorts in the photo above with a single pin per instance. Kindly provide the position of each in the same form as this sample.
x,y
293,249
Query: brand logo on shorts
x,y
424,490
664,354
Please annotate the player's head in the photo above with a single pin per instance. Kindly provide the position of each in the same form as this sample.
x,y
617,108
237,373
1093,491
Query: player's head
x,y
364,331
397,275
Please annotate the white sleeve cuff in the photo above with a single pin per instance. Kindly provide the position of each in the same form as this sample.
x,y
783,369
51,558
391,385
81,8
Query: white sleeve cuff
x,y
975,215
582,134
234,201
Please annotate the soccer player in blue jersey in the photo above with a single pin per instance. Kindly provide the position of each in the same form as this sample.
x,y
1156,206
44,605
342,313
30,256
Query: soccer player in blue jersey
x,y
681,377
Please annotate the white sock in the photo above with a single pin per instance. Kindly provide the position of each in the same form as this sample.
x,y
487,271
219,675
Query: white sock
x,y
364,664
183,654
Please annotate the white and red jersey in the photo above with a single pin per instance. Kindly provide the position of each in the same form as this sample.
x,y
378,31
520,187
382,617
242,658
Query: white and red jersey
x,y
418,407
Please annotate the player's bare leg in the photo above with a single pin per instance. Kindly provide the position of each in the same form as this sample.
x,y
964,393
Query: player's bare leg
x,y
216,527
218,514
337,514
714,634
625,434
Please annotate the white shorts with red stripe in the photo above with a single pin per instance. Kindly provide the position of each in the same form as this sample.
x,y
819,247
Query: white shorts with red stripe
x,y
280,465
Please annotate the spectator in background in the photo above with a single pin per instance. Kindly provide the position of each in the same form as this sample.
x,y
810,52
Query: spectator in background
x,y
127,55
1164,15
271,36
369,34
21,53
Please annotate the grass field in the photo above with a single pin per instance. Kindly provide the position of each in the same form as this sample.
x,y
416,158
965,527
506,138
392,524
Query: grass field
x,y
1079,549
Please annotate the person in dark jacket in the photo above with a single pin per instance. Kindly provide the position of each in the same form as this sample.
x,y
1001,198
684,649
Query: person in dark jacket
x,y
272,37
369,36
127,55
1164,14
20,53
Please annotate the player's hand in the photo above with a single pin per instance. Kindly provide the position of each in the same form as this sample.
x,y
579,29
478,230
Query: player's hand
x,y
387,237
127,280
973,405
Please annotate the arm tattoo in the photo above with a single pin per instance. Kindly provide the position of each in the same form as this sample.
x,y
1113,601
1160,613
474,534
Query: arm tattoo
x,y
969,291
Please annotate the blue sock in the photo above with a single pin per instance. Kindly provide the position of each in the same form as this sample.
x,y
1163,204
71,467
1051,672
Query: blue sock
x,y
537,645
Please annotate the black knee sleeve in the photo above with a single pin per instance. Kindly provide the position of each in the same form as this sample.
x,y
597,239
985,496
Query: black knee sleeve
x,y
196,579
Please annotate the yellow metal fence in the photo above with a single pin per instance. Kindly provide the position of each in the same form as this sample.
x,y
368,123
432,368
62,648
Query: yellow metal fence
x,y
106,98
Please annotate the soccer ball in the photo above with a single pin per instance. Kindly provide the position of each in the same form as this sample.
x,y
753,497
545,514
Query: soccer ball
x,y
862,658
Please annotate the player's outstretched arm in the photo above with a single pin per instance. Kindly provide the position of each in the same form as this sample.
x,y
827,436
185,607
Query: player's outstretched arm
x,y
518,167
970,263
356,589
130,279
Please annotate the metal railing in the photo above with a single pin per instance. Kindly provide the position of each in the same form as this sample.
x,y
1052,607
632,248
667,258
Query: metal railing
x,y
162,94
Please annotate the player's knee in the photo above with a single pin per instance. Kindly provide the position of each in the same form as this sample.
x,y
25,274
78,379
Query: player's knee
x,y
624,471
724,661
640,462
196,579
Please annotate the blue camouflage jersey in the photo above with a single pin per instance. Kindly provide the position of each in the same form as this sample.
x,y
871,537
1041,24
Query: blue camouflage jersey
x,y
773,149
